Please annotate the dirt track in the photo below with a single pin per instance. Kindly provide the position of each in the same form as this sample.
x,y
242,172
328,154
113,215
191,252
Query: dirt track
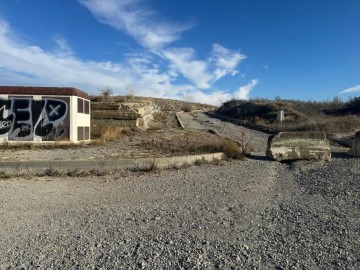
x,y
252,214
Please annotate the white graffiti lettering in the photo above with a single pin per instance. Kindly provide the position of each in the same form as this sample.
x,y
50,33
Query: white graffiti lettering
x,y
5,124
54,110
27,119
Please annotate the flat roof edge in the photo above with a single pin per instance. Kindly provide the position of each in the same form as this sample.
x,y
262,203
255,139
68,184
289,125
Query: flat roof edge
x,y
40,90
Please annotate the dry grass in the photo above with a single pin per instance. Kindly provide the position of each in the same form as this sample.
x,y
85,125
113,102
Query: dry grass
x,y
231,149
108,132
329,116
146,167
329,124
187,142
163,120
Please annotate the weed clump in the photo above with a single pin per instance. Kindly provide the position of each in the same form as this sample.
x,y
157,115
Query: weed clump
x,y
231,150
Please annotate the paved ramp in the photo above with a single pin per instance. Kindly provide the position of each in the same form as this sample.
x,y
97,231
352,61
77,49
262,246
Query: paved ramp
x,y
203,122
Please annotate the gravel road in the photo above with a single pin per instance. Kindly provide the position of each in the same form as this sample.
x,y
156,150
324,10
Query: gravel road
x,y
252,214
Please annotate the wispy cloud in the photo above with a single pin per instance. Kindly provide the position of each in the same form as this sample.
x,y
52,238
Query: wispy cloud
x,y
157,71
137,21
226,60
132,17
244,91
29,64
63,47
183,60
353,89
204,73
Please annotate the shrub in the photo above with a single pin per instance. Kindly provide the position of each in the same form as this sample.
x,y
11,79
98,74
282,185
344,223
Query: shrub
x,y
231,150
186,107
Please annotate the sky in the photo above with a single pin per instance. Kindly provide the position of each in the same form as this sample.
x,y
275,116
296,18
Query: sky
x,y
207,51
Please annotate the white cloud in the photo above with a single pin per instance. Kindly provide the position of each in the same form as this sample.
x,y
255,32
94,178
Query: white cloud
x,y
152,72
226,59
137,21
204,73
215,98
353,89
28,64
63,46
244,91
182,59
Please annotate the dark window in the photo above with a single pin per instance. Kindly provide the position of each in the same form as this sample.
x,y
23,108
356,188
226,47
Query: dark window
x,y
83,133
80,133
80,105
87,107
87,133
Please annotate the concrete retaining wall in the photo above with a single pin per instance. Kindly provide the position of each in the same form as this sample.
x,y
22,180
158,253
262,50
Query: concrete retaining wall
x,y
109,164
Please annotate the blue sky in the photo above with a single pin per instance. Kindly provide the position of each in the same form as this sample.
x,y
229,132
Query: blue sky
x,y
203,50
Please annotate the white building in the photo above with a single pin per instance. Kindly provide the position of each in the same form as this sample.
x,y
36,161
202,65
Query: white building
x,y
44,114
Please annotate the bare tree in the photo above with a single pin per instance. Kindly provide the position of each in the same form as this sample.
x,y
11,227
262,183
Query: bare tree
x,y
106,92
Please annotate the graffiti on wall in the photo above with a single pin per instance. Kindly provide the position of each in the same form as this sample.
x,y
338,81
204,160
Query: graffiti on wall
x,y
23,118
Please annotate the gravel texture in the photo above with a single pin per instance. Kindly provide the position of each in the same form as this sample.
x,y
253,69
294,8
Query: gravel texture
x,y
252,214
153,143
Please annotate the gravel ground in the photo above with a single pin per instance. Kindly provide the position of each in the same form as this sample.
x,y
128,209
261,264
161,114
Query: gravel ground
x,y
197,217
252,214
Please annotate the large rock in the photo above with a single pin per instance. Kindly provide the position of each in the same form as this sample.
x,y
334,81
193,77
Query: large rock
x,y
355,148
287,146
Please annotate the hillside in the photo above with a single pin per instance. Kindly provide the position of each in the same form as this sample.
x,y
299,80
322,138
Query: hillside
x,y
163,104
329,116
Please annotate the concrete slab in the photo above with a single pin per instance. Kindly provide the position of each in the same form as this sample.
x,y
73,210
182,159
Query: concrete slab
x,y
287,146
355,148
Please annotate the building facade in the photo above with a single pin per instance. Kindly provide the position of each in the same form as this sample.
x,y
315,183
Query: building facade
x,y
44,114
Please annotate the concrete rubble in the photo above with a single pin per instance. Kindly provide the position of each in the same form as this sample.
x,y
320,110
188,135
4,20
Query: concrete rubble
x,y
125,114
355,148
288,146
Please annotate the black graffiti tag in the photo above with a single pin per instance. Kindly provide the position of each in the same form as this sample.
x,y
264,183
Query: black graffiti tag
x,y
52,115
24,118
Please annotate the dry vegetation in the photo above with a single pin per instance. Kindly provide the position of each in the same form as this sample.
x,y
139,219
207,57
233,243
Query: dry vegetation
x,y
329,116
167,142
163,135
105,131
164,104
179,142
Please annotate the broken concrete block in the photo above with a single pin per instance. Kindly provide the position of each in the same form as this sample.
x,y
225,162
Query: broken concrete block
x,y
355,148
287,146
